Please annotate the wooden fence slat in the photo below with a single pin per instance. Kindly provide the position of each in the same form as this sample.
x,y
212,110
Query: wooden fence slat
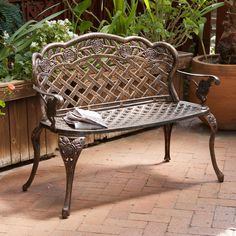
x,y
48,140
5,148
51,142
33,119
18,131
219,22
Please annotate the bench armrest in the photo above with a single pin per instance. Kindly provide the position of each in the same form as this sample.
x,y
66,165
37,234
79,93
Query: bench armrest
x,y
51,103
202,86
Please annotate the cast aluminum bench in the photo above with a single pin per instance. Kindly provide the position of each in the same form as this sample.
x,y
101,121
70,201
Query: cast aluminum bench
x,y
129,81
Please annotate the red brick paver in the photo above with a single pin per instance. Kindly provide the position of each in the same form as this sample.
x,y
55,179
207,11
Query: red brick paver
x,y
123,188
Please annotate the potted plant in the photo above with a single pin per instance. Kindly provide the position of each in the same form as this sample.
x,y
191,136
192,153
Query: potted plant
x,y
172,21
222,98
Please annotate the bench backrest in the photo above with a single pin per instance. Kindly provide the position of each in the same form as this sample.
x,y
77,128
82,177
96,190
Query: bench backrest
x,y
98,68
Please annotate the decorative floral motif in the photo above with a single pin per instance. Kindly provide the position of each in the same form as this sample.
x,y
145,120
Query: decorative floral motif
x,y
70,150
212,121
128,62
158,60
69,55
125,51
151,54
96,44
46,65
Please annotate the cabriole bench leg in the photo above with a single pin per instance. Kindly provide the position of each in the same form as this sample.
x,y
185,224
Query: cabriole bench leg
x,y
167,133
211,120
35,138
70,151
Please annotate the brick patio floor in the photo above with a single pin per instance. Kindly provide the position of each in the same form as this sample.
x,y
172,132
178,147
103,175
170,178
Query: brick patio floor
x,y
122,187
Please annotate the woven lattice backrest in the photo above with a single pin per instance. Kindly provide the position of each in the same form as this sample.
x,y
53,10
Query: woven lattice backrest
x,y
100,68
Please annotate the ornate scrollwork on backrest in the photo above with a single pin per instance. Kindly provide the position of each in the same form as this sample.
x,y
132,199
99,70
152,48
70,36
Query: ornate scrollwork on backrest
x,y
100,68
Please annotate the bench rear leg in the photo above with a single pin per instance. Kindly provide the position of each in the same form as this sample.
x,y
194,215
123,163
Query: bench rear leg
x,y
35,138
167,133
70,151
211,120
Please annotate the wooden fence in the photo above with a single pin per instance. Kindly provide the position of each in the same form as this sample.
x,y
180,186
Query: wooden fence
x,y
32,8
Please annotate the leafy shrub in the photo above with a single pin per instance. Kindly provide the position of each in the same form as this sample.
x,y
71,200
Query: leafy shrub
x,y
122,19
15,63
173,21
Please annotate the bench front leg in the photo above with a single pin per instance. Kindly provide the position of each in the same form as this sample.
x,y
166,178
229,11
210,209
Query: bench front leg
x,y
211,120
167,133
70,150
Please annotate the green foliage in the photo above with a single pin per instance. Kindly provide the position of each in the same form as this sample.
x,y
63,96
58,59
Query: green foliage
x,y
161,20
17,49
173,21
52,31
78,10
122,19
10,17
22,38
2,105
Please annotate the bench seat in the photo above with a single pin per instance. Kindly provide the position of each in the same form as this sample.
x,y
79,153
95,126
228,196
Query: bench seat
x,y
134,115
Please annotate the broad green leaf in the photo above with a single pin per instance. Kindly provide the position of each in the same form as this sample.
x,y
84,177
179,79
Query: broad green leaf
x,y
201,31
147,3
211,8
23,45
119,5
131,17
81,7
102,24
38,25
106,29
4,53
84,26
2,103
21,29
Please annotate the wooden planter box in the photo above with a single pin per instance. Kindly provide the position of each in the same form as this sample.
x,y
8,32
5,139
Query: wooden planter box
x,y
22,115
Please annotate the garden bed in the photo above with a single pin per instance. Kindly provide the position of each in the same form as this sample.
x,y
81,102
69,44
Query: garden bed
x,y
22,114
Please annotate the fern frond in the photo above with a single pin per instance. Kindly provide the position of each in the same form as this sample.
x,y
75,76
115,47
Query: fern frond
x,y
10,17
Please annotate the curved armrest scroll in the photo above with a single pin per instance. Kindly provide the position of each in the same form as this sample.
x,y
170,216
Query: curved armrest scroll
x,y
203,86
52,102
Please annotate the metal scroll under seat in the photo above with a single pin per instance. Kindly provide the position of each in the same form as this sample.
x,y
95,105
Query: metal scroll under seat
x,y
129,81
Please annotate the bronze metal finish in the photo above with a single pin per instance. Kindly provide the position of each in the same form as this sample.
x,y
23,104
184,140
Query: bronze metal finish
x,y
129,81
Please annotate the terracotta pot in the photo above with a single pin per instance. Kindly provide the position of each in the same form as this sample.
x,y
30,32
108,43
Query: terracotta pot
x,y
221,99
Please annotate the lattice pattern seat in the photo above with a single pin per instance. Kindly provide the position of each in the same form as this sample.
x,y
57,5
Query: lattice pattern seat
x,y
132,116
129,81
